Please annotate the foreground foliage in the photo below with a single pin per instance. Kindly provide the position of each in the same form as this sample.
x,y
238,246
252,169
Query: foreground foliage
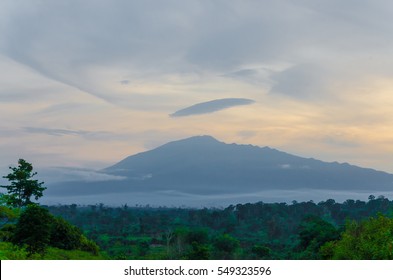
x,y
28,230
37,232
306,230
371,239
9,251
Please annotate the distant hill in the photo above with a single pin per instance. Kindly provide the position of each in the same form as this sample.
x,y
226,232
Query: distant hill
x,y
202,165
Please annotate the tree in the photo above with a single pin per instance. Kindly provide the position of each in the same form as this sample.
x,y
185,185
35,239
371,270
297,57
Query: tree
x,y
370,239
225,246
22,186
34,229
313,233
199,240
315,229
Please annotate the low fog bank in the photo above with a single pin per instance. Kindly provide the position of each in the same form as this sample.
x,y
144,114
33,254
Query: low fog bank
x,y
177,199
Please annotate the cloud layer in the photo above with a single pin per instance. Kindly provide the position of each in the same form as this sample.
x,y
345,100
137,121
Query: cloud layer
x,y
211,106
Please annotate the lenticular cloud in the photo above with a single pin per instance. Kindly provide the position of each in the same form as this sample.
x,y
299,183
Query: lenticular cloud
x,y
211,106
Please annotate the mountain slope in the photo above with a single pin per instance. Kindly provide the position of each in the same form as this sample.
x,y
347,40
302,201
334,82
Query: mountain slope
x,y
204,165
201,171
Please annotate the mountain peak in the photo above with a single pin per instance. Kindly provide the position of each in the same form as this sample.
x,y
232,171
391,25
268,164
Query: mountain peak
x,y
200,138
204,166
203,162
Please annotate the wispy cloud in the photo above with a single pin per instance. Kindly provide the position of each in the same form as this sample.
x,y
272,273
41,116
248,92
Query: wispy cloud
x,y
212,106
89,135
53,131
67,174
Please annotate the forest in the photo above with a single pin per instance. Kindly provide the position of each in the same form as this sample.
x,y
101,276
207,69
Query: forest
x,y
351,230
301,230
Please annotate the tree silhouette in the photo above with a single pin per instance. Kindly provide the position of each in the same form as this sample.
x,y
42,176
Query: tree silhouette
x,y
22,186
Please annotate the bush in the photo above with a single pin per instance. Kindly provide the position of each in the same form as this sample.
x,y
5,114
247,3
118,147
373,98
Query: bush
x,y
33,229
64,235
89,245
9,251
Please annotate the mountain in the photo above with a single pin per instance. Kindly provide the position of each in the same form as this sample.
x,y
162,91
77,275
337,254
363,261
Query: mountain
x,y
202,165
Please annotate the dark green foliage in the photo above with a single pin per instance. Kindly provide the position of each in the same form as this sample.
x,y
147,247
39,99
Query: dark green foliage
x,y
199,235
143,248
261,252
22,186
225,246
37,229
313,233
7,232
199,240
64,235
261,230
198,251
33,229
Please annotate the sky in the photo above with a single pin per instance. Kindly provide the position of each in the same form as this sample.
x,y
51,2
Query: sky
x,y
87,83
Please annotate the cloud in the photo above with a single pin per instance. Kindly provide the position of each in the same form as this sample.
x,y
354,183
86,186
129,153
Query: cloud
x,y
146,41
254,76
211,106
302,81
125,82
69,174
69,107
53,131
89,135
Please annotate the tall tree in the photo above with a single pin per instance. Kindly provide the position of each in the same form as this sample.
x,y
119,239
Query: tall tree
x,y
22,186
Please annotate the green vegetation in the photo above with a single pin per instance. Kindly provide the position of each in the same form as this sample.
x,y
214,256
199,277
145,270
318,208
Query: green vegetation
x,y
33,229
305,230
30,231
9,251
370,239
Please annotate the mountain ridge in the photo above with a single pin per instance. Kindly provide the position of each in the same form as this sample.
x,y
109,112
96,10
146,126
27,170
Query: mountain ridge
x,y
216,160
202,166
